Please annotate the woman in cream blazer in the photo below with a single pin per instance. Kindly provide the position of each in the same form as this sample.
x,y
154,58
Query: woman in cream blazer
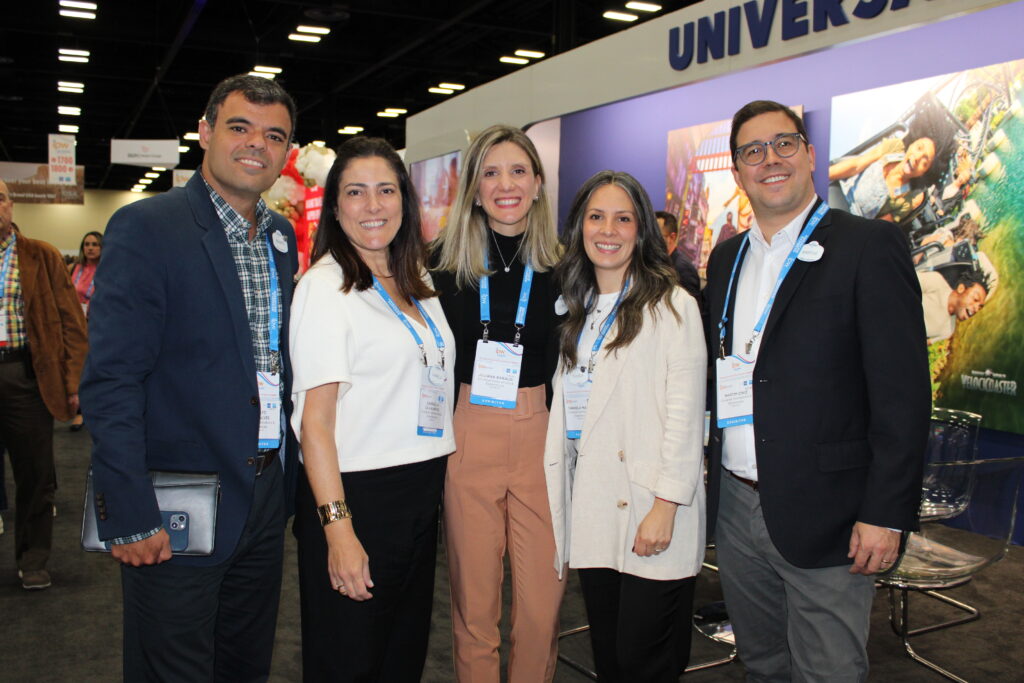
x,y
624,465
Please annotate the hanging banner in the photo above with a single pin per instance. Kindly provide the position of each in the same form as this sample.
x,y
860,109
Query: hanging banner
x,y
181,176
30,184
62,159
145,152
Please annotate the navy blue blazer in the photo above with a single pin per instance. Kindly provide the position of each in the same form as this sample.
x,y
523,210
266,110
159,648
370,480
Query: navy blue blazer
x,y
170,380
842,395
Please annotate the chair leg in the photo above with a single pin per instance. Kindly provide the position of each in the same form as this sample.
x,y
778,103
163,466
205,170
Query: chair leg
x,y
592,675
899,619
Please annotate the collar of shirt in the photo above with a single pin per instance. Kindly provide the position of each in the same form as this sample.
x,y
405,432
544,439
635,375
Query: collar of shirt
x,y
235,226
785,238
7,241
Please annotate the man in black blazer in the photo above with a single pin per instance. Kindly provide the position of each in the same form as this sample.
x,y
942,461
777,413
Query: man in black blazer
x,y
820,410
189,371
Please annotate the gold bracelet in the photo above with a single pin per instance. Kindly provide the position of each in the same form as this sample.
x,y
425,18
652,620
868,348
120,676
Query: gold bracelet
x,y
333,511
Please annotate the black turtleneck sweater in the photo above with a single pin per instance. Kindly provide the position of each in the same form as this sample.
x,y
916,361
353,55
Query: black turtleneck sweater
x,y
462,309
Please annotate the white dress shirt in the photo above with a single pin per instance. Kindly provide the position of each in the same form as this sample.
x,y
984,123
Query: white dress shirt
x,y
757,276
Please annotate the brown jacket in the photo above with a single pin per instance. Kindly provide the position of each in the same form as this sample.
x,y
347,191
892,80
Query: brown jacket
x,y
54,322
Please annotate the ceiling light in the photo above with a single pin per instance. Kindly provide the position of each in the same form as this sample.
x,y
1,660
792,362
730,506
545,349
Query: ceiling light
x,y
69,58
387,115
303,38
350,130
74,4
643,6
441,91
67,128
159,169
75,14
451,86
136,189
152,175
183,148
267,69
191,136
145,181
319,30
70,86
68,55
396,110
532,54
514,60
64,88
69,111
620,16
269,77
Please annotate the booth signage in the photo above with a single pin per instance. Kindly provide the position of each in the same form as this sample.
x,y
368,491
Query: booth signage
x,y
145,152
716,35
62,159
181,176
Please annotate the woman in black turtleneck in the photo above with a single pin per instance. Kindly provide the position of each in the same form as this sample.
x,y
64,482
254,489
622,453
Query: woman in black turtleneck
x,y
498,250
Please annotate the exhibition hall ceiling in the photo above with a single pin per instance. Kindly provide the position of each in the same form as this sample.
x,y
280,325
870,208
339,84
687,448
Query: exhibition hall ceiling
x,y
151,64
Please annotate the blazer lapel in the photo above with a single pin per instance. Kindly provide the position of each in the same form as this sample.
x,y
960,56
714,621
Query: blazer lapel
x,y
606,378
215,242
282,264
796,274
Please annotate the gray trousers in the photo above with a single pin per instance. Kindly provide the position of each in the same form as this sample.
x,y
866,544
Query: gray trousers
x,y
791,624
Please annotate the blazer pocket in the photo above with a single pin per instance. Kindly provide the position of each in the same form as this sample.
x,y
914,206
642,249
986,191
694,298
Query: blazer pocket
x,y
843,455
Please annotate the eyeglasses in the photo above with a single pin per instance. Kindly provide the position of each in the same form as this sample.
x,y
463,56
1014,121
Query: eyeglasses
x,y
784,144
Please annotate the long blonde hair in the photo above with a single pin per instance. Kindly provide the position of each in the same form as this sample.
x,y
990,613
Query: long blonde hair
x,y
463,242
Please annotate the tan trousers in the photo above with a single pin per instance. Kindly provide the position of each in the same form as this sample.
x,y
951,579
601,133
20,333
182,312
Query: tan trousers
x,y
495,498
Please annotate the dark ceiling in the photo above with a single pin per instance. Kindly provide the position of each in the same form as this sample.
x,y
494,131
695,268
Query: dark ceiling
x,y
154,62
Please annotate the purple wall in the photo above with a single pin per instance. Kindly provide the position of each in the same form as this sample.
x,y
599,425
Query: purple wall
x,y
632,135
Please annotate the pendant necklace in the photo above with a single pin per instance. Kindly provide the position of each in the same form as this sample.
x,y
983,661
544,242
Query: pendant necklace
x,y
506,264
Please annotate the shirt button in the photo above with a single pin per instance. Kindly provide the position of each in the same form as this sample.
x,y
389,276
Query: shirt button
x,y
254,401
250,461
622,505
622,456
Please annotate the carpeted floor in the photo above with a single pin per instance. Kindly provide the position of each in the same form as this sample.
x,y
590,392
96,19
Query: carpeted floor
x,y
72,631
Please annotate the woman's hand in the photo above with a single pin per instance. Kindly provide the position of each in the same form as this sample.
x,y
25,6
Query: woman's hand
x,y
655,531
348,565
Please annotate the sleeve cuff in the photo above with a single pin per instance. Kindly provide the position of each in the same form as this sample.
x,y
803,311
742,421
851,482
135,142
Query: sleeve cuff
x,y
135,538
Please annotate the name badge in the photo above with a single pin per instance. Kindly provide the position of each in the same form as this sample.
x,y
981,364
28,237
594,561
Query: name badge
x,y
496,374
734,391
575,397
432,397
269,385
3,325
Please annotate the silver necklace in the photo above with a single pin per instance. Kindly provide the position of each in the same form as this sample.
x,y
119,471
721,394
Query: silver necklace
x,y
506,264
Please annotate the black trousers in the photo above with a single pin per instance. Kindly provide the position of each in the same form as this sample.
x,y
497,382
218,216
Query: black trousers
x,y
384,639
26,429
186,624
639,628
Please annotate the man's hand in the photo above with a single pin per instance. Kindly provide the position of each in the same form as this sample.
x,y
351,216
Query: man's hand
x,y
873,548
152,550
73,403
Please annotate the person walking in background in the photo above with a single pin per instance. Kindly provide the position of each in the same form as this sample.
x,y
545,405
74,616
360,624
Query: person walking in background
x,y
821,411
83,273
624,454
493,272
190,372
373,400
42,348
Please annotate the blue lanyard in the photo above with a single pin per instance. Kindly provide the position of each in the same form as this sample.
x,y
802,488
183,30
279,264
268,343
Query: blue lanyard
x,y
805,234
8,258
524,300
275,321
605,326
438,339
78,278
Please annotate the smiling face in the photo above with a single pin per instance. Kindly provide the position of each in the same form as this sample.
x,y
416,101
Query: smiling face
x,y
609,235
778,188
91,248
245,149
507,187
370,208
919,157
6,211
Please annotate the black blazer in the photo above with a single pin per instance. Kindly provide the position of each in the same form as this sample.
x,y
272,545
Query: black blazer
x,y
841,391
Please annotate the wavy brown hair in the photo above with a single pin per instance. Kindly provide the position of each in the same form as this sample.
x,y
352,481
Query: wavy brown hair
x,y
651,276
406,253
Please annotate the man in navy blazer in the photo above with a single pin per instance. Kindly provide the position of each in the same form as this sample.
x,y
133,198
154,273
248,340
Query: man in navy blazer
x,y
191,305
819,415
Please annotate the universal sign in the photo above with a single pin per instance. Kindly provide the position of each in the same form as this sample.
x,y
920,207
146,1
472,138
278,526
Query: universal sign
x,y
716,35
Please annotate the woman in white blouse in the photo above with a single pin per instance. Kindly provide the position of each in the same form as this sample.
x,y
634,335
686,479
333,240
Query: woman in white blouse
x,y
623,455
372,358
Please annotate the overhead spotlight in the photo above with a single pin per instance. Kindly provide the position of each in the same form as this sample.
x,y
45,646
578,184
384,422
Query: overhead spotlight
x,y
513,60
318,30
303,38
69,111
396,110
267,69
387,115
643,6
441,91
191,136
451,86
182,149
531,54
67,128
620,16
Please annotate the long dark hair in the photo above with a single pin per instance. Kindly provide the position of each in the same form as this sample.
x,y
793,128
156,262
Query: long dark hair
x,y
81,247
651,276
406,253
